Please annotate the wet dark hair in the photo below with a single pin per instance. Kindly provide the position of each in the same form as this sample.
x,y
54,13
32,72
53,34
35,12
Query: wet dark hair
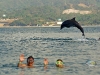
x,y
59,60
29,58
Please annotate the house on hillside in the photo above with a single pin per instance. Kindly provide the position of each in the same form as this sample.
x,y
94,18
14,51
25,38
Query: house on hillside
x,y
59,22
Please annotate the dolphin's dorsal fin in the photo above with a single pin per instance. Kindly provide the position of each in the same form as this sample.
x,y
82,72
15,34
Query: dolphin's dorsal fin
x,y
73,19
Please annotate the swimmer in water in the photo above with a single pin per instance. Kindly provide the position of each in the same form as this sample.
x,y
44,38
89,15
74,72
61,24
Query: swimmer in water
x,y
30,61
59,63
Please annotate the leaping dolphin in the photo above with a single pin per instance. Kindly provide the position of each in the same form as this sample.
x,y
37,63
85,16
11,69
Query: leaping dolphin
x,y
72,23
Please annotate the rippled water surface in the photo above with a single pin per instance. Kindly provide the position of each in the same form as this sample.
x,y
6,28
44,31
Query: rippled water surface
x,y
51,43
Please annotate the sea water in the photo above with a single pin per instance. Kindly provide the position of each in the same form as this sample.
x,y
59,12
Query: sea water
x,y
52,43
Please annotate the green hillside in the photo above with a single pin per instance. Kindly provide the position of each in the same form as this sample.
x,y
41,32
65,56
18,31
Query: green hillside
x,y
32,12
8,5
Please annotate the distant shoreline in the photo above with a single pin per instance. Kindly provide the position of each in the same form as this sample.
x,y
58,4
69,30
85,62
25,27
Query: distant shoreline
x,y
41,26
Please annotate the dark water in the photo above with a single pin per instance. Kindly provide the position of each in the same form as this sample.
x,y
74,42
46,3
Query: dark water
x,y
51,43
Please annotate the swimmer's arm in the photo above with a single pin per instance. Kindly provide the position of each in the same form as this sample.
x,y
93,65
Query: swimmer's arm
x,y
20,64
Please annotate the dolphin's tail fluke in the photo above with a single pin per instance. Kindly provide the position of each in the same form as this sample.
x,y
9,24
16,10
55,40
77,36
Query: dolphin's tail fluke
x,y
83,35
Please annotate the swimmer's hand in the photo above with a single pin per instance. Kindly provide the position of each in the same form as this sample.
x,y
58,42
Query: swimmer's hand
x,y
45,62
21,58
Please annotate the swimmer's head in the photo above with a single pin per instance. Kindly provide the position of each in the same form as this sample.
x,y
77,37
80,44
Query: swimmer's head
x,y
59,63
30,61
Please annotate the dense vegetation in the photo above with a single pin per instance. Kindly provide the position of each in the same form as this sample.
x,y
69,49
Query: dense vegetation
x,y
33,12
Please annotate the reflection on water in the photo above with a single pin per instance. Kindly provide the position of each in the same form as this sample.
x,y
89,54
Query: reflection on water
x,y
53,44
21,72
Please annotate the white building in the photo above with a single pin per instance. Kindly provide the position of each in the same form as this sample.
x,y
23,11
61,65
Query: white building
x,y
59,21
